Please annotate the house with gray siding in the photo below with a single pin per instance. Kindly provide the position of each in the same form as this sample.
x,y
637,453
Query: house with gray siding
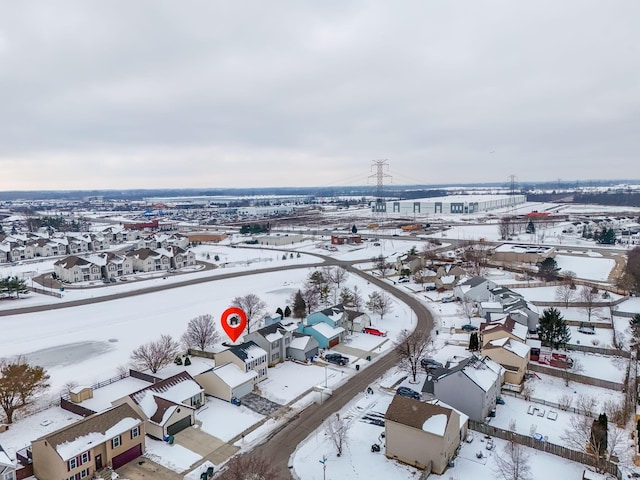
x,y
471,386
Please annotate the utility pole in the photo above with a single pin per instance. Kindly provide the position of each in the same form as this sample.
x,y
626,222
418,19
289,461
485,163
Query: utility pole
x,y
380,206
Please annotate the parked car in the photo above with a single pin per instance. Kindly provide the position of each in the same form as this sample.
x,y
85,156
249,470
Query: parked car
x,y
374,331
404,280
408,392
469,328
448,299
430,364
336,358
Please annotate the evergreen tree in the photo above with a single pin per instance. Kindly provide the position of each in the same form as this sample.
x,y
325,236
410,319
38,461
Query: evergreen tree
x,y
287,311
553,329
548,269
299,305
531,228
474,343
280,312
354,230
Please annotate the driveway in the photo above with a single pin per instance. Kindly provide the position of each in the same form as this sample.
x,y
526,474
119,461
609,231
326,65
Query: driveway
x,y
145,469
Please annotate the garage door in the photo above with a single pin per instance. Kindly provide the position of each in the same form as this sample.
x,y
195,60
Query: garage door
x,y
312,353
179,425
126,457
334,342
242,390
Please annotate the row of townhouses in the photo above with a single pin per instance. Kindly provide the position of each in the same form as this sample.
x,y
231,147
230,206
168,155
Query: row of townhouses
x,y
27,246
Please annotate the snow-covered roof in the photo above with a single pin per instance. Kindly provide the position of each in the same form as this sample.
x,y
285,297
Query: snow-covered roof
x,y
273,337
496,305
81,444
175,389
233,376
5,461
327,331
88,432
300,343
436,424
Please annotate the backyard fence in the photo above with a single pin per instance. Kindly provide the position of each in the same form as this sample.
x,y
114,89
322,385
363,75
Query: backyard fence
x,y
544,446
598,350
45,291
576,377
546,403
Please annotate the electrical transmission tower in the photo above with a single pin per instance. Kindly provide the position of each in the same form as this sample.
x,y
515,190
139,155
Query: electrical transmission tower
x,y
513,180
380,205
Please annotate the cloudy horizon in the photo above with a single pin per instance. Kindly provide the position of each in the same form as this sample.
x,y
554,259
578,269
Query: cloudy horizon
x,y
157,94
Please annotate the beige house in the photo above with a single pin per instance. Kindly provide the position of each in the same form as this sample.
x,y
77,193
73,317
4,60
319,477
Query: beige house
x,y
147,260
181,258
227,381
247,356
423,435
532,254
510,354
77,269
167,406
504,328
108,439
116,265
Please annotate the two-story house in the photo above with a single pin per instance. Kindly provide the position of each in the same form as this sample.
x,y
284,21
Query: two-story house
x,y
147,260
247,356
471,386
273,339
77,269
167,406
108,439
423,435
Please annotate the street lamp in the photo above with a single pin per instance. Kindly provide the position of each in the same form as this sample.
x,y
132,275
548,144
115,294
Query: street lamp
x,y
324,467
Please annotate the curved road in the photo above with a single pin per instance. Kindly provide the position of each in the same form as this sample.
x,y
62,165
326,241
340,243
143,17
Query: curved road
x,y
282,442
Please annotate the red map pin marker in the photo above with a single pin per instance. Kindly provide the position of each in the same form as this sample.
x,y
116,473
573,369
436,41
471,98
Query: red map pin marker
x,y
234,321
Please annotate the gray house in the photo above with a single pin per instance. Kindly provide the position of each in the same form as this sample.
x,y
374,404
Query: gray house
x,y
475,288
273,339
471,386
302,347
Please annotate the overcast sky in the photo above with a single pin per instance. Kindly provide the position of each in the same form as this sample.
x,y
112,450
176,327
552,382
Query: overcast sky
x,y
152,94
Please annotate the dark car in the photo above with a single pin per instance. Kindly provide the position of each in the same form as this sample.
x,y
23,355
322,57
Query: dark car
x,y
469,328
336,358
430,364
408,392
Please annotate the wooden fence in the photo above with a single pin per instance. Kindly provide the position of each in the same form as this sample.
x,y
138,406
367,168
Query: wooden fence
x,y
544,446
46,291
575,377
598,350
546,403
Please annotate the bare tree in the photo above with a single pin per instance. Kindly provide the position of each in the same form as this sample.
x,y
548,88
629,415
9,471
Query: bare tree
x,y
466,306
381,264
380,303
201,332
337,428
565,294
411,347
504,227
565,401
250,467
579,435
429,251
311,297
475,255
156,354
588,297
253,307
337,276
356,299
20,385
513,463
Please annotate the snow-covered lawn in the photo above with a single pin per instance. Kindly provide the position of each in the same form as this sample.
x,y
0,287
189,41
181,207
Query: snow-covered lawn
x,y
358,462
548,294
288,380
586,267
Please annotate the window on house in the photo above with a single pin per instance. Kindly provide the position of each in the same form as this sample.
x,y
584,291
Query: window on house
x,y
84,458
135,432
116,442
84,473
73,463
9,476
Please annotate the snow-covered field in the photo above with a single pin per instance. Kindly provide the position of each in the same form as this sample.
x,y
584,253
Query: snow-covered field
x,y
87,344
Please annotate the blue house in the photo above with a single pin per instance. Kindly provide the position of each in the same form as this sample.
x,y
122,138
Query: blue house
x,y
326,326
